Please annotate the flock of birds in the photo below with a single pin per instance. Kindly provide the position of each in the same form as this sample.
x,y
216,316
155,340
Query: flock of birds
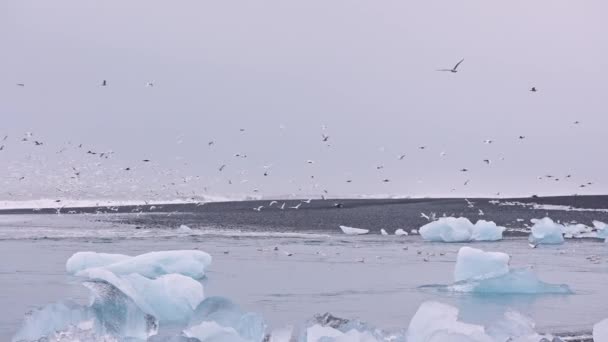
x,y
182,185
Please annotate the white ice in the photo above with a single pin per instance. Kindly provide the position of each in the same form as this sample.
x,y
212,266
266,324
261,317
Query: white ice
x,y
211,331
184,229
383,232
600,331
545,231
477,271
475,264
602,229
401,232
190,263
353,231
452,229
437,322
319,333
230,319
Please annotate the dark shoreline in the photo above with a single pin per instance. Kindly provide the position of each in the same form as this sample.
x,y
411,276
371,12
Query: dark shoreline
x,y
324,215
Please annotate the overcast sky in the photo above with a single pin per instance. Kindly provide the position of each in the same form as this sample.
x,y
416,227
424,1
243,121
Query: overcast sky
x,y
283,70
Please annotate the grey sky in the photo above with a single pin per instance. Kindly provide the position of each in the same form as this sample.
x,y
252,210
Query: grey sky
x,y
365,69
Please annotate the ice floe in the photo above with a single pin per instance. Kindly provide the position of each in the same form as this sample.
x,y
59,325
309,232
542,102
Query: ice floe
x,y
545,231
477,271
190,263
460,229
353,231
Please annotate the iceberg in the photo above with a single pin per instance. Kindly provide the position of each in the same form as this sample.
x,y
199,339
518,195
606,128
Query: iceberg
x,y
602,230
475,264
439,323
213,332
170,297
401,232
545,231
353,231
184,229
600,331
460,229
482,272
112,316
190,263
219,318
318,333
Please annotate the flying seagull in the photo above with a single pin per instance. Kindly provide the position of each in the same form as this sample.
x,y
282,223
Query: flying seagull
x,y
454,68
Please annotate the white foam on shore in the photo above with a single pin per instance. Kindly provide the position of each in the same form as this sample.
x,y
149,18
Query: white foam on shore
x,y
547,206
88,203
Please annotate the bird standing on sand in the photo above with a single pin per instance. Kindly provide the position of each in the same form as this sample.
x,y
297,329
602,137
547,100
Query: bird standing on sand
x,y
453,70
104,83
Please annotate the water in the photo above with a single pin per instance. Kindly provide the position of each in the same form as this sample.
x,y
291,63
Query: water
x,y
324,274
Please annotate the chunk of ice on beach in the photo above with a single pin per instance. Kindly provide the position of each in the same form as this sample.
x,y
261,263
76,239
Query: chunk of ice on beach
x,y
460,229
319,333
477,271
475,264
247,326
545,231
211,331
184,229
602,229
383,232
190,263
353,231
600,331
438,322
169,298
401,232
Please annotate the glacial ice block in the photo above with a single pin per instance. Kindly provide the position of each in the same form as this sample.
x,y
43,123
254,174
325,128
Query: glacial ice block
x,y
353,231
475,264
460,229
545,231
190,263
439,323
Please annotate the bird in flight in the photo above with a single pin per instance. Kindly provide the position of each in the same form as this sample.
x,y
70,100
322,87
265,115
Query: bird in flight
x,y
454,69
325,137
533,89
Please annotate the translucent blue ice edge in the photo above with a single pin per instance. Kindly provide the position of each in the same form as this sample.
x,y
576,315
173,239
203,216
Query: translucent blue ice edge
x,y
517,281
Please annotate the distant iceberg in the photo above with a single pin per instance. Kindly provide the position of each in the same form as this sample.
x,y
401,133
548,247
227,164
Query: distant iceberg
x,y
401,232
482,272
353,231
602,230
545,231
460,229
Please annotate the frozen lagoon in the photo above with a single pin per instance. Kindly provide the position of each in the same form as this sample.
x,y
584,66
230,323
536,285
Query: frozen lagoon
x,y
324,274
